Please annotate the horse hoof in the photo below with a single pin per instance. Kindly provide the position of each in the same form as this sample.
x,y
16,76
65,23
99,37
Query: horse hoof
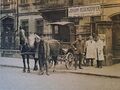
x,y
28,71
35,68
54,70
24,70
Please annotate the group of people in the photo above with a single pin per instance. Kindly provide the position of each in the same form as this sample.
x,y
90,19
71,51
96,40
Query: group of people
x,y
92,50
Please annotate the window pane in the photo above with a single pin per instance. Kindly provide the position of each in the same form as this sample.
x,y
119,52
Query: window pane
x,y
39,26
25,26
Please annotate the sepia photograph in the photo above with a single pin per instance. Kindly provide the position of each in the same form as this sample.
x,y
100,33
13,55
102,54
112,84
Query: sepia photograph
x,y
59,44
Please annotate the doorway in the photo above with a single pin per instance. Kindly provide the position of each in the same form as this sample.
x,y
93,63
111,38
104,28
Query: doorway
x,y
116,35
7,33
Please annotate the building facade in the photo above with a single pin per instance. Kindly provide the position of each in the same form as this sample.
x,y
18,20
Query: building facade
x,y
15,13
91,17
100,17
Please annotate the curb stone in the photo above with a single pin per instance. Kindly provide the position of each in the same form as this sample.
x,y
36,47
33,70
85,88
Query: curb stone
x,y
66,71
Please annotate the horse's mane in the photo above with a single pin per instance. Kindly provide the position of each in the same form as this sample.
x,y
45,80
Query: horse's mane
x,y
31,40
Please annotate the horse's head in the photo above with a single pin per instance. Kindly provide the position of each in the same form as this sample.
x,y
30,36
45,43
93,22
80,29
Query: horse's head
x,y
32,39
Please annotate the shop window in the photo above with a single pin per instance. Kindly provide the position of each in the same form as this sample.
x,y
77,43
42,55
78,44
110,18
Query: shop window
x,y
39,26
25,26
56,29
6,4
61,33
65,35
24,4
93,22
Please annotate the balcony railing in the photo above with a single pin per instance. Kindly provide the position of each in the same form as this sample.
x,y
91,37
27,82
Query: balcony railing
x,y
51,4
57,3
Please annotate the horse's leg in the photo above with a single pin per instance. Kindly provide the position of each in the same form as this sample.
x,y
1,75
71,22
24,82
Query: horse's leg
x,y
28,64
34,55
24,65
46,66
55,62
40,65
35,64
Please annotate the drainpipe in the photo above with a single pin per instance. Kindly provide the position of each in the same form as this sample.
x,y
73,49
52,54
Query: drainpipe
x,y
17,12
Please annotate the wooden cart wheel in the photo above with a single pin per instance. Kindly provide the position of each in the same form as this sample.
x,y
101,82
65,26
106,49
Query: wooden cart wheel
x,y
69,61
50,63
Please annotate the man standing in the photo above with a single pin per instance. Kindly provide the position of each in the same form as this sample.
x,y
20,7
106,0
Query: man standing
x,y
90,50
100,56
42,57
78,47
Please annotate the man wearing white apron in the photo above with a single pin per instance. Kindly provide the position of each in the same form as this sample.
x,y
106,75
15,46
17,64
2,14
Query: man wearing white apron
x,y
100,55
90,51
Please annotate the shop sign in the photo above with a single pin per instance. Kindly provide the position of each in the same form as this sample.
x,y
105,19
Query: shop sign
x,y
83,11
73,12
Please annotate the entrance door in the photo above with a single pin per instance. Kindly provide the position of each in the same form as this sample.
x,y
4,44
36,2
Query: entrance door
x,y
116,35
7,34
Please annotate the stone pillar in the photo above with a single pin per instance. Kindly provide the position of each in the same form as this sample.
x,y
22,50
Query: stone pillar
x,y
109,55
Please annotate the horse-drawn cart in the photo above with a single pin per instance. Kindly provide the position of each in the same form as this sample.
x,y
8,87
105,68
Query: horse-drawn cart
x,y
64,32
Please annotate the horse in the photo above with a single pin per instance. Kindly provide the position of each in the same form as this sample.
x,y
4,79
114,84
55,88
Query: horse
x,y
27,48
52,49
51,52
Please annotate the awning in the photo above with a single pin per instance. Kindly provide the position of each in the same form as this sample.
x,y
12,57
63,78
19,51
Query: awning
x,y
51,10
61,23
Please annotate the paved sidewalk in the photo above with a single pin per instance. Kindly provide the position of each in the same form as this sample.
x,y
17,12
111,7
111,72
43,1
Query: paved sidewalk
x,y
107,71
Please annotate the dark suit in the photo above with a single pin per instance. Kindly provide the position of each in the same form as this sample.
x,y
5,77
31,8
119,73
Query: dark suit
x,y
41,57
79,45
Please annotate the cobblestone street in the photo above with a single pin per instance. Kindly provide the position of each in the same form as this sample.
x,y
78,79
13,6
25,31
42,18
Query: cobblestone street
x,y
14,79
